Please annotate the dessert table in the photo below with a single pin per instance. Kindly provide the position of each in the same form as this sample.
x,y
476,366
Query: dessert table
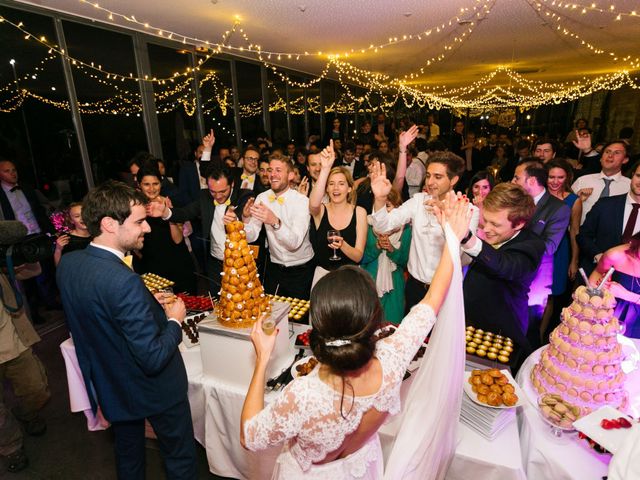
x,y
216,408
565,458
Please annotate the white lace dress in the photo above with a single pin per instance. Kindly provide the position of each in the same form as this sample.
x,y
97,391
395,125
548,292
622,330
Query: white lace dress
x,y
307,415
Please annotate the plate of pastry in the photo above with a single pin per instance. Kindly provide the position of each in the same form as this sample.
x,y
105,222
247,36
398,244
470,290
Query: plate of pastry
x,y
493,388
304,366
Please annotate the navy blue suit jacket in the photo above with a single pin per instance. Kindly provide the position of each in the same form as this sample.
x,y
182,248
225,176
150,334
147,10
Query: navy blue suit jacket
x,y
496,286
126,347
601,230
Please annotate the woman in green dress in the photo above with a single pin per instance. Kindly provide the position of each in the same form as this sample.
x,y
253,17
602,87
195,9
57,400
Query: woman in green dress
x,y
385,258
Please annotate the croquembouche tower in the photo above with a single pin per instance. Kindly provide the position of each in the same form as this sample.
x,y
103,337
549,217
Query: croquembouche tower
x,y
582,362
242,297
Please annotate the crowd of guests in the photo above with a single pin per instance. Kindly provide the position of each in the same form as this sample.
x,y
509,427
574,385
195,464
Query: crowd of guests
x,y
537,213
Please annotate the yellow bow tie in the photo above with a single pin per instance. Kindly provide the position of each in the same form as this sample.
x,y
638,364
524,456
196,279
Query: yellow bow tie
x,y
244,176
273,198
128,261
227,203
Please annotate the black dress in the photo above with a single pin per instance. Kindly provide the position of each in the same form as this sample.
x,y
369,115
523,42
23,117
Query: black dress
x,y
164,257
320,242
75,243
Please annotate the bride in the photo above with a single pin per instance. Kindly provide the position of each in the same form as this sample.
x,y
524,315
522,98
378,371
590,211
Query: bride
x,y
328,420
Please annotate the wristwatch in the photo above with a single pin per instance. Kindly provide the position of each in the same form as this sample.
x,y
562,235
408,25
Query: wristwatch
x,y
467,237
276,226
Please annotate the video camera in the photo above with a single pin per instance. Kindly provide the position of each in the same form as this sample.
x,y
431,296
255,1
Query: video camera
x,y
18,248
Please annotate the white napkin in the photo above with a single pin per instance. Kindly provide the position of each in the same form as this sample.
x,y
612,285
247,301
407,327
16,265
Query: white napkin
x,y
384,279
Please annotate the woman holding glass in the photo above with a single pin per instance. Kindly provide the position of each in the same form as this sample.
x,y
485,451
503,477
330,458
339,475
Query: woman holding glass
x,y
338,228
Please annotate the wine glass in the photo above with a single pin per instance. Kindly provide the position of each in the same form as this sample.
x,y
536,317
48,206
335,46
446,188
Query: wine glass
x,y
331,236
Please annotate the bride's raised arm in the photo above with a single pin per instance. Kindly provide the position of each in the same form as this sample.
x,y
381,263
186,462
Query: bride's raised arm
x,y
456,213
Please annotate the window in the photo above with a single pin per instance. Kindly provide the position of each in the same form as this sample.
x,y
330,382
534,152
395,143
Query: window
x,y
37,131
111,108
175,103
250,99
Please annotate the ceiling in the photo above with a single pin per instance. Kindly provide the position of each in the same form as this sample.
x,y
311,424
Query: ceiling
x,y
520,34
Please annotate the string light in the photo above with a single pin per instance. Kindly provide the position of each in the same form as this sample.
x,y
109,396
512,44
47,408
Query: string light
x,y
380,90
583,9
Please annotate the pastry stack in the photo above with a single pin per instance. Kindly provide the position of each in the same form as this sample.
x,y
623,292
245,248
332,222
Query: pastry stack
x,y
242,298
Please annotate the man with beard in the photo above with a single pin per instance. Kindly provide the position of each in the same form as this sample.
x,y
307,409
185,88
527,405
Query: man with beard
x,y
126,340
285,215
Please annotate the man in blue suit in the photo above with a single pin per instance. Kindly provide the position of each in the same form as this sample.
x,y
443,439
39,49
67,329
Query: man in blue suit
x,y
126,341
607,221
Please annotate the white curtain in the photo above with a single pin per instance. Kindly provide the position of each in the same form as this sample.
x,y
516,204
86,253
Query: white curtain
x,y
426,440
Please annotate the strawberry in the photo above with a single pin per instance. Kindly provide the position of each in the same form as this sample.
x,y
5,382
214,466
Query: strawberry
x,y
624,423
607,424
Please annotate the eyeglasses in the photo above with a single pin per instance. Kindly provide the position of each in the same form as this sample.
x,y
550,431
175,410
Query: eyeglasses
x,y
254,159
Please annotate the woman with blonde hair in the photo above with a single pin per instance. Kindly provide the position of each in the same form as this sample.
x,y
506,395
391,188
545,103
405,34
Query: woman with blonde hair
x,y
338,227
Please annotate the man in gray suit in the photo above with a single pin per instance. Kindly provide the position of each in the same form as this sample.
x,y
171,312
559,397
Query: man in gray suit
x,y
550,221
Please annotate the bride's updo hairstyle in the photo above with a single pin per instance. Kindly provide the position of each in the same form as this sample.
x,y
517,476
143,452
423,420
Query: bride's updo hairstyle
x,y
345,313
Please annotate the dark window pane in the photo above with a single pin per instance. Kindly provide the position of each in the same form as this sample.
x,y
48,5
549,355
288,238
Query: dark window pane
x,y
111,108
250,98
217,99
313,105
296,99
278,109
38,133
175,103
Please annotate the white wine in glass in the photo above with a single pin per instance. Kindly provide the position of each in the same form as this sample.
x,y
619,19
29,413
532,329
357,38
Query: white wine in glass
x,y
331,236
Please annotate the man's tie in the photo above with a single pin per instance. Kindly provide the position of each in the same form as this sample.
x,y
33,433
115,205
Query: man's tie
x,y
128,261
273,198
244,176
15,187
227,203
631,223
606,192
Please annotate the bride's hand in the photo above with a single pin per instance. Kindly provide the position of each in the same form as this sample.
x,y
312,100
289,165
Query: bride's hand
x,y
456,211
262,343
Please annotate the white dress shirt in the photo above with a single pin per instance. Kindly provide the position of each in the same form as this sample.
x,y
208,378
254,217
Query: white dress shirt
x,y
21,208
619,186
117,253
427,236
218,232
289,245
627,213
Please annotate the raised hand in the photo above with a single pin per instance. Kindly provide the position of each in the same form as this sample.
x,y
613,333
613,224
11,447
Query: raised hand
x,y
327,157
262,343
583,142
585,193
455,211
407,137
303,188
157,209
380,184
209,140
246,211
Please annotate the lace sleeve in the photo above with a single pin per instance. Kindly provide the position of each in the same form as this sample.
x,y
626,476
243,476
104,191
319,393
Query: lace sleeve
x,y
278,421
410,335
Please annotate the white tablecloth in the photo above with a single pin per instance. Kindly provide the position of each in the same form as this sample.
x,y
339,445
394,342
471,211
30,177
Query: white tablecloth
x,y
568,458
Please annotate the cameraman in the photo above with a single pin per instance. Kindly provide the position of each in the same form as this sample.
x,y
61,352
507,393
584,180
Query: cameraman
x,y
24,371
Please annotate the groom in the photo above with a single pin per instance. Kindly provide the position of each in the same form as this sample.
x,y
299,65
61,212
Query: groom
x,y
126,342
